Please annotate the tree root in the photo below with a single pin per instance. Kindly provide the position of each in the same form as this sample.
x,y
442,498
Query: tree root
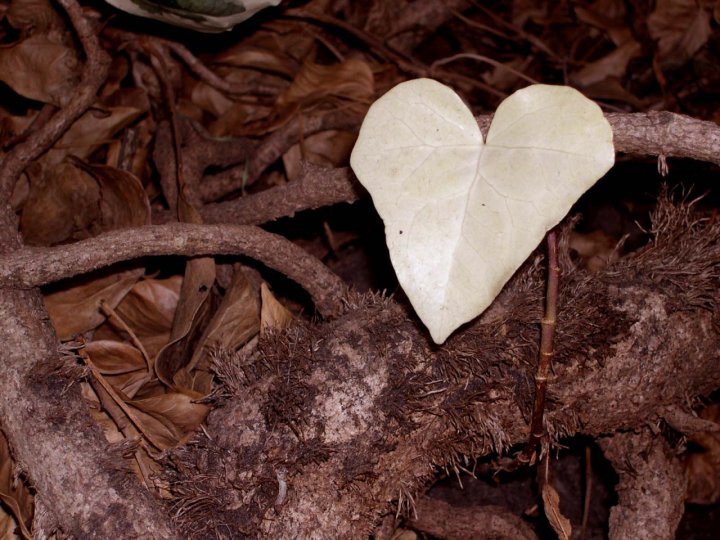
x,y
48,428
631,342
472,523
651,489
32,267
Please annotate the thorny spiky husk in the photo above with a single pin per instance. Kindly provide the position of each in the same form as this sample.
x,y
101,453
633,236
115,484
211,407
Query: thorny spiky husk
x,y
356,411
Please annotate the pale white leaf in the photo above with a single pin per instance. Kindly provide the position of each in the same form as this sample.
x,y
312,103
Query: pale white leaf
x,y
462,216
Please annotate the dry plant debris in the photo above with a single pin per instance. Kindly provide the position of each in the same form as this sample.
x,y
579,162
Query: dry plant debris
x,y
162,245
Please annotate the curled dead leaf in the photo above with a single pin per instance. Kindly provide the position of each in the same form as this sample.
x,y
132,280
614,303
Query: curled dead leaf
x,y
235,322
40,69
148,310
14,496
680,28
123,202
273,315
62,204
551,502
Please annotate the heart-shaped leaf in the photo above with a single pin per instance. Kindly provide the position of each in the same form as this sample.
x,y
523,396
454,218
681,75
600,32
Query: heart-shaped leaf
x,y
461,216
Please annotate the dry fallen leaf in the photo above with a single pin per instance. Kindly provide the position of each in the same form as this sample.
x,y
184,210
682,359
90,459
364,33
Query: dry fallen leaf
x,y
120,363
351,80
192,309
40,69
119,201
38,16
680,28
148,310
551,502
123,202
235,322
614,64
14,496
328,148
76,309
273,316
62,204
90,131
170,418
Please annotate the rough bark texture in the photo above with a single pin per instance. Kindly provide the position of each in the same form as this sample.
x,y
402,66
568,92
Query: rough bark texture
x,y
475,523
49,431
651,488
56,443
355,415
654,133
330,427
32,267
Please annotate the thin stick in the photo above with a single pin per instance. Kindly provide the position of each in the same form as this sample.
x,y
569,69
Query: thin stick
x,y
588,492
546,351
485,59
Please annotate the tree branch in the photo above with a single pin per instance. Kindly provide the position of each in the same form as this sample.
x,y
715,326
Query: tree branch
x,y
316,187
654,133
215,186
31,267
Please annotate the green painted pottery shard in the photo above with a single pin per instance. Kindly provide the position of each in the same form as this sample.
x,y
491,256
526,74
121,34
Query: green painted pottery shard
x,y
201,15
461,215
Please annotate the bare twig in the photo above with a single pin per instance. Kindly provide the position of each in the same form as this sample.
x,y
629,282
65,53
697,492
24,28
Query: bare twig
x,y
316,187
404,61
654,133
481,58
36,123
31,267
662,133
217,82
270,150
136,41
546,350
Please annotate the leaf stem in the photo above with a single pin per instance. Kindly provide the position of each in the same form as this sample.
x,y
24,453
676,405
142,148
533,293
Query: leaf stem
x,y
546,351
